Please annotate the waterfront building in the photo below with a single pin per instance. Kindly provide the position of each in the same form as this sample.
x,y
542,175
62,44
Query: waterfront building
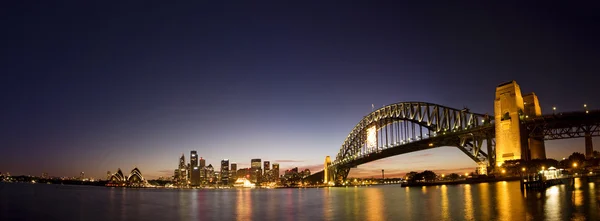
x,y
255,175
224,172
135,179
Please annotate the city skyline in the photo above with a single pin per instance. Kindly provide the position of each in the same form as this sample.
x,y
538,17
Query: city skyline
x,y
119,88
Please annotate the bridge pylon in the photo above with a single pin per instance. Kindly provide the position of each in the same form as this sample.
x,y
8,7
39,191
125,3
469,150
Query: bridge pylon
x,y
513,141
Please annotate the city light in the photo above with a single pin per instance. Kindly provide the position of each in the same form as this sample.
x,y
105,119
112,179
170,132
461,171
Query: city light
x,y
574,164
431,144
523,169
466,174
503,171
543,168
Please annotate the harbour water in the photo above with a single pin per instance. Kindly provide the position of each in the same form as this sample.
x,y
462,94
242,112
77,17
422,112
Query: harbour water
x,y
484,201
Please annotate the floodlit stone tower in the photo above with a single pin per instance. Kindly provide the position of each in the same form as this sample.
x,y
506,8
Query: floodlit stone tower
x,y
512,139
326,170
537,149
508,107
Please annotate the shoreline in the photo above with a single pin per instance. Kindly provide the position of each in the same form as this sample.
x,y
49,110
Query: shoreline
x,y
458,182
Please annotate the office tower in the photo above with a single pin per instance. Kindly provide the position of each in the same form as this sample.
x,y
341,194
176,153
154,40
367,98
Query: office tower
x,y
182,178
266,176
225,172
202,167
256,173
194,158
196,176
202,162
233,171
275,172
210,171
195,170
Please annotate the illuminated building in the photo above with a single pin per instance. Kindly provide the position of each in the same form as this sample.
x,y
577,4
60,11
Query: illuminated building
x,y
275,172
256,173
225,172
135,179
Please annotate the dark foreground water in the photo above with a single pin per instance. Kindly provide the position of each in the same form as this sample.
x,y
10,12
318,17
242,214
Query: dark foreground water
x,y
487,201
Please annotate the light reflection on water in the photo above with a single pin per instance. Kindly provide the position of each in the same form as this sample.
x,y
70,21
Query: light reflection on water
x,y
486,201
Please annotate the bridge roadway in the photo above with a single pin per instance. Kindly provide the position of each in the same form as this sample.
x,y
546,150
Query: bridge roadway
x,y
551,126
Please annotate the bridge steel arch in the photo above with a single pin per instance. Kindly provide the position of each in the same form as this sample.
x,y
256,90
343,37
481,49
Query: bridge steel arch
x,y
406,127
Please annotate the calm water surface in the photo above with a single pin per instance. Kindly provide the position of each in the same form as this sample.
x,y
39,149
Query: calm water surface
x,y
487,201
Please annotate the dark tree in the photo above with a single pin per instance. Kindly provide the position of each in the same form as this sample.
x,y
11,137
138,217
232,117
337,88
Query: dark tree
x,y
577,158
428,175
412,175
453,176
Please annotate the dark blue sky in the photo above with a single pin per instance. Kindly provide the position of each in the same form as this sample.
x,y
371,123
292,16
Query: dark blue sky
x,y
93,87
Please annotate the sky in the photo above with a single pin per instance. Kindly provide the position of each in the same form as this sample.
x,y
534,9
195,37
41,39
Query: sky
x,y
93,86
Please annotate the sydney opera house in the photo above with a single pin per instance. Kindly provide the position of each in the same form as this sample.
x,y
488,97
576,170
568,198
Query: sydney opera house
x,y
135,179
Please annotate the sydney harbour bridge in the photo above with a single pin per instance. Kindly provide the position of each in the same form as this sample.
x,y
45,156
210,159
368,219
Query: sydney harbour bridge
x,y
516,131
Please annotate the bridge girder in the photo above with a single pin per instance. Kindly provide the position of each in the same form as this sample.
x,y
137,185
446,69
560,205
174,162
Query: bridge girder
x,y
450,127
564,125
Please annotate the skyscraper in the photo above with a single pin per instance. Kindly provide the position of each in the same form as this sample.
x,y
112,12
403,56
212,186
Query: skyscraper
x,y
202,162
202,169
210,171
266,176
194,158
233,171
225,172
182,178
275,172
195,170
256,172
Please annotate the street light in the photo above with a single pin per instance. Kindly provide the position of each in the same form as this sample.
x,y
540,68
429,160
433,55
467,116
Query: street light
x,y
543,167
523,169
574,164
503,171
554,110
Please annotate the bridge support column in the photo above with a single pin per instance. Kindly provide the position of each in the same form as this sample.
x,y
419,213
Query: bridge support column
x,y
589,148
